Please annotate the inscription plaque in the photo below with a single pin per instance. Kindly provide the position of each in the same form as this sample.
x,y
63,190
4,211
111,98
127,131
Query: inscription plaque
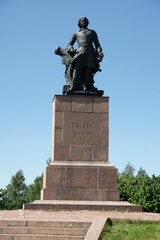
x,y
81,128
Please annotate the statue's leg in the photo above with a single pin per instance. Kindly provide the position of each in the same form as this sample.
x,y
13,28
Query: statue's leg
x,y
76,79
88,80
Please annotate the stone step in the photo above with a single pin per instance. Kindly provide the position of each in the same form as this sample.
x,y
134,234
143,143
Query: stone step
x,y
53,224
39,237
44,231
13,223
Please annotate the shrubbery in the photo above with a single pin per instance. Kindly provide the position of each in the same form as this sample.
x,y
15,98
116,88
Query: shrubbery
x,y
140,189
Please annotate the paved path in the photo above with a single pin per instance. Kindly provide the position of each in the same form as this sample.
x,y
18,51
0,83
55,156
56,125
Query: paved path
x,y
75,215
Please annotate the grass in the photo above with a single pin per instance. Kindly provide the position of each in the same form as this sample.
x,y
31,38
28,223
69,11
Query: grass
x,y
130,230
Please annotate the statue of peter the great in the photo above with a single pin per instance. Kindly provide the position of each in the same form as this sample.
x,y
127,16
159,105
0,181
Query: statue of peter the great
x,y
82,63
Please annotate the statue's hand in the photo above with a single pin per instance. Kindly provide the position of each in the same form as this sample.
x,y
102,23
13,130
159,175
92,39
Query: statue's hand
x,y
100,56
71,49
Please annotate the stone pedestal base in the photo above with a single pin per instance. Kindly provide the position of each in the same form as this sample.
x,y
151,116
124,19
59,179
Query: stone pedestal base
x,y
94,182
54,205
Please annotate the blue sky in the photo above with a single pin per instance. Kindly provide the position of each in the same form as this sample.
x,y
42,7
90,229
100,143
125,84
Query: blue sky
x,y
30,76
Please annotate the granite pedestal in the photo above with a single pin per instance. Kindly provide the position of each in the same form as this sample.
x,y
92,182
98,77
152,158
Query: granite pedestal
x,y
80,169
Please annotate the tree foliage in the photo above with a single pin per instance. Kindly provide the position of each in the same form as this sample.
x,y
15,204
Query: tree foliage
x,y
129,170
33,190
17,193
1,199
140,189
141,172
13,196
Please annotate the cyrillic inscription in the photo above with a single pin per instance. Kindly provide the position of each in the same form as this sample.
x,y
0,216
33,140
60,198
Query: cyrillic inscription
x,y
81,128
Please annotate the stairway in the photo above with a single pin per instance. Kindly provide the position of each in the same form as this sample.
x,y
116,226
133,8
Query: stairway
x,y
42,230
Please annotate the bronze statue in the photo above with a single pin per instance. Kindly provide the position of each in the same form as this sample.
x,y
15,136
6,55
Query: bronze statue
x,y
82,63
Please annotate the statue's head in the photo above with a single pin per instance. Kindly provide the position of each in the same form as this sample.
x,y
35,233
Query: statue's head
x,y
83,22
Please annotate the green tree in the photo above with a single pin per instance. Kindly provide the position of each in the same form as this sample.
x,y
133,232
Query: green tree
x,y
129,170
17,193
33,190
124,184
140,189
141,172
13,195
1,199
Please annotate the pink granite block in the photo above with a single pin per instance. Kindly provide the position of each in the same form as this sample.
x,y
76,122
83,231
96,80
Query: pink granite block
x,y
104,123
57,136
100,104
69,194
107,178
48,194
100,153
113,195
82,177
81,104
80,153
58,119
55,177
62,103
104,137
81,128
61,152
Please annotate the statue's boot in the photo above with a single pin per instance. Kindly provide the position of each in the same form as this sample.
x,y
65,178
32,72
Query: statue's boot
x,y
76,82
88,82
